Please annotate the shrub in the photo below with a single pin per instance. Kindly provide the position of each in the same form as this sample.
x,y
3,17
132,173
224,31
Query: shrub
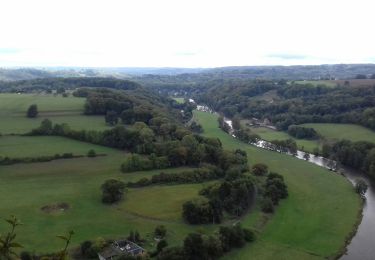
x,y
160,231
249,235
361,187
32,111
113,191
161,245
232,236
91,153
267,205
260,169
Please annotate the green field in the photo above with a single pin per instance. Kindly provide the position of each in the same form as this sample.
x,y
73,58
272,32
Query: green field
x,y
344,131
270,135
313,222
328,83
69,110
180,100
32,146
25,188
170,210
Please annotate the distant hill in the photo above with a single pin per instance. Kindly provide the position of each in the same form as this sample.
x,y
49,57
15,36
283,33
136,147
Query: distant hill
x,y
335,71
172,76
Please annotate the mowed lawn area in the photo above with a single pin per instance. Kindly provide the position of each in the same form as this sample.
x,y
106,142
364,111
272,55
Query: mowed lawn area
x,y
34,146
58,109
313,222
343,131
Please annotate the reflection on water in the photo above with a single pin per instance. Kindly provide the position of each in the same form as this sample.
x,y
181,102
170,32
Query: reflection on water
x,y
362,245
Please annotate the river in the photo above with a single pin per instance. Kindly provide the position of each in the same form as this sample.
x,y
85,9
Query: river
x,y
362,245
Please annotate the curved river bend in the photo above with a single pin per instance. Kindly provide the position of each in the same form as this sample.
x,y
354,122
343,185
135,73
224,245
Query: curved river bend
x,y
362,245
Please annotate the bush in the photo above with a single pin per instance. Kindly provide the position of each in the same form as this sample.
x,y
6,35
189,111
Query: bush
x,y
26,256
260,169
172,253
113,191
361,187
249,235
232,237
136,162
161,245
160,231
32,111
90,249
208,172
91,153
267,205
67,155
301,132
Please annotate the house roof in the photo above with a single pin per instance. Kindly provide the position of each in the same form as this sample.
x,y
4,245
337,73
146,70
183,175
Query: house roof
x,y
121,247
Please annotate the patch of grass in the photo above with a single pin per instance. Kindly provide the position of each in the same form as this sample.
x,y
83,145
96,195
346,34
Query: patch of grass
x,y
160,202
270,135
313,222
31,146
180,100
343,131
328,83
68,110
19,103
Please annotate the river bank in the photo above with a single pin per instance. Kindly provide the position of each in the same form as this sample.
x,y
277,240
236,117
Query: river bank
x,y
358,243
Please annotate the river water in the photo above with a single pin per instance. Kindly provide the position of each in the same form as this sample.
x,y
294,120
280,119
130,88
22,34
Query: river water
x,y
362,245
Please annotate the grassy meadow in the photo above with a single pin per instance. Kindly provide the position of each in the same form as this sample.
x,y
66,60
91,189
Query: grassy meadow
x,y
179,100
343,131
328,83
31,146
58,109
270,135
26,188
327,131
312,223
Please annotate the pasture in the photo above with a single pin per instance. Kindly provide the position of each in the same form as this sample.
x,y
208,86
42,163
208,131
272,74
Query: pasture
x,y
32,146
343,131
312,223
58,109
179,100
328,83
34,191
270,135
26,188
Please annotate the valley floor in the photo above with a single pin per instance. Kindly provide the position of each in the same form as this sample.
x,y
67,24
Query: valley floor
x,y
313,223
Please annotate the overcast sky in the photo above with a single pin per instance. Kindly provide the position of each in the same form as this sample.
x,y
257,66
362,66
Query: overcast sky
x,y
185,33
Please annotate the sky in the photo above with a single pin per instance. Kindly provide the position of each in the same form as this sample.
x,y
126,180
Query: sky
x,y
185,33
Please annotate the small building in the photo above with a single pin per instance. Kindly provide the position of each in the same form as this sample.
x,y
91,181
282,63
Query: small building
x,y
120,248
